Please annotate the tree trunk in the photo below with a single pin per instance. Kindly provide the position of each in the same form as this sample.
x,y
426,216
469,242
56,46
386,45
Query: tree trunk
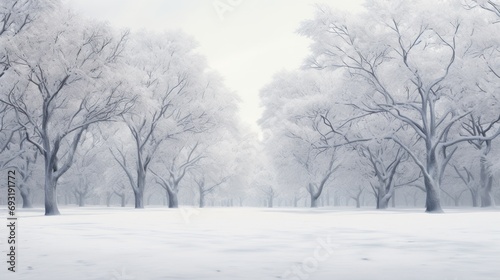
x,y
486,185
173,201
432,199
474,197
51,208
383,203
314,201
202,199
141,185
26,195
328,195
138,199
202,194
383,198
314,193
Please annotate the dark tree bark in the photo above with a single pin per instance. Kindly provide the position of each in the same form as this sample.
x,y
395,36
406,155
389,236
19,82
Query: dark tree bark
x,y
50,194
486,183
173,201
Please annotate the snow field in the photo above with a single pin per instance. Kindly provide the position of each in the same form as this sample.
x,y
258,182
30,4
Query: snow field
x,y
253,243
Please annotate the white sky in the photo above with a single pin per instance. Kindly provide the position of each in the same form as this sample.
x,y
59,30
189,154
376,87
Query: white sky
x,y
246,44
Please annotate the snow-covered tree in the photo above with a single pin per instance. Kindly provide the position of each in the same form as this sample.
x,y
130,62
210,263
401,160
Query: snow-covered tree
x,y
485,119
169,86
295,137
60,85
414,69
15,17
27,164
177,166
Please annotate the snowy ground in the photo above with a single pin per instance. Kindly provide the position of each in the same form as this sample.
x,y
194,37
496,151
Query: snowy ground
x,y
257,244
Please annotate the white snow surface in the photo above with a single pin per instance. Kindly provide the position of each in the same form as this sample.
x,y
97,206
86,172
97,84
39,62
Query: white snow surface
x,y
255,243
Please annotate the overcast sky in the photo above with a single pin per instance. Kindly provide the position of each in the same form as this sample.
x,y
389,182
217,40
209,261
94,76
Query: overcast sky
x,y
246,41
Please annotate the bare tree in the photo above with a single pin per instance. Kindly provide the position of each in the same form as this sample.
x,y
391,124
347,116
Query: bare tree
x,y
20,155
16,16
475,126
470,183
270,195
81,192
318,162
82,185
121,192
367,60
356,194
63,95
384,172
314,189
185,159
205,189
168,89
8,129
26,169
146,142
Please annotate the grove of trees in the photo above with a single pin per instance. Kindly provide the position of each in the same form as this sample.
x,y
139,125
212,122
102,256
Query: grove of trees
x,y
400,83
396,104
